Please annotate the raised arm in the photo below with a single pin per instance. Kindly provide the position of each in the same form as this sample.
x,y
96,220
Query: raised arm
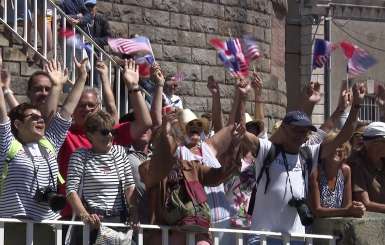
x,y
348,128
3,109
242,89
142,115
156,105
5,81
343,103
58,78
310,97
73,97
257,85
217,116
108,95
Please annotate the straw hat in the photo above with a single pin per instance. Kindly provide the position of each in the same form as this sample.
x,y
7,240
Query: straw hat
x,y
186,115
248,118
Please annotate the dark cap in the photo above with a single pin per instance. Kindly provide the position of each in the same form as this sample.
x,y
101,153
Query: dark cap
x,y
298,118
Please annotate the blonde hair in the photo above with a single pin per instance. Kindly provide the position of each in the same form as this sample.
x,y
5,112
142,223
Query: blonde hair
x,y
98,120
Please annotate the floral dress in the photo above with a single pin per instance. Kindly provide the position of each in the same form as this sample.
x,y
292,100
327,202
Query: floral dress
x,y
238,191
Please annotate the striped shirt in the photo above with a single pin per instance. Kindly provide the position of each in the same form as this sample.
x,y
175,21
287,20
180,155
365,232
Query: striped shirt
x,y
20,185
100,187
219,206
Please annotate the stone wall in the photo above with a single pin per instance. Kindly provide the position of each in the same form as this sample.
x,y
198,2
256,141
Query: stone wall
x,y
180,31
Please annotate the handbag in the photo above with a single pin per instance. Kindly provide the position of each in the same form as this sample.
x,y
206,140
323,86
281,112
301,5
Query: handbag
x,y
186,203
108,236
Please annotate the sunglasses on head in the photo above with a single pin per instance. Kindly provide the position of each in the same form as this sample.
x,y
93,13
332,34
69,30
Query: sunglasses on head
x,y
106,131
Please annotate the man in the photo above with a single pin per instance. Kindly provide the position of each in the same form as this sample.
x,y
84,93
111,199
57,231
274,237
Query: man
x,y
369,169
170,97
289,171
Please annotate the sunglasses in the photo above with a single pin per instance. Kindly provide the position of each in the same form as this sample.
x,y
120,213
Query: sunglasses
x,y
106,132
34,117
195,124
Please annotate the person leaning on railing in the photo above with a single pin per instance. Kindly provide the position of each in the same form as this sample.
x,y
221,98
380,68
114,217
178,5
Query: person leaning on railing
x,y
28,149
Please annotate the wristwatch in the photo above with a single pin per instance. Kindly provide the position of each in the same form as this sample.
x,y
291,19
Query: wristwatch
x,y
7,91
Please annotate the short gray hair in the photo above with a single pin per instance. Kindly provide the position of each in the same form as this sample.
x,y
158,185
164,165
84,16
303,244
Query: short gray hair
x,y
95,91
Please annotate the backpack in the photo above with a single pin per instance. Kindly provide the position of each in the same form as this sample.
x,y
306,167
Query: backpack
x,y
15,148
186,204
274,151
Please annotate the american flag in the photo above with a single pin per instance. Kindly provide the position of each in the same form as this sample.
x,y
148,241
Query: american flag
x,y
250,48
129,46
359,61
321,53
230,53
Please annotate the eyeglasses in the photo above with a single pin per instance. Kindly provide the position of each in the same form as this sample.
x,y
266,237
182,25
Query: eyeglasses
x,y
106,132
35,117
91,106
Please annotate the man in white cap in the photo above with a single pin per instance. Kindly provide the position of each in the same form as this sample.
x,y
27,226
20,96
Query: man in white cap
x,y
369,169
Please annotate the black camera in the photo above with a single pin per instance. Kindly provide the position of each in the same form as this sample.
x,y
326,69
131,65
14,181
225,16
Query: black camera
x,y
47,194
303,210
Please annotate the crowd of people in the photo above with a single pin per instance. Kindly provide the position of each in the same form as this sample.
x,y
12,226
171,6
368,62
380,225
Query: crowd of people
x,y
164,165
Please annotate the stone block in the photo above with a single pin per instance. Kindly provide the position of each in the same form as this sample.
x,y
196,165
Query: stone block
x,y
191,39
213,10
235,14
119,29
19,84
229,2
166,36
217,72
105,8
203,24
144,3
202,90
180,21
144,30
157,17
12,67
259,19
168,67
227,28
128,14
3,40
13,54
170,5
204,56
158,50
227,91
191,7
186,88
195,103
258,5
192,72
177,53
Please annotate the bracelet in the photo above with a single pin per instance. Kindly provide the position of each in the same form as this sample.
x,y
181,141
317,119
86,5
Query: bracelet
x,y
7,91
134,90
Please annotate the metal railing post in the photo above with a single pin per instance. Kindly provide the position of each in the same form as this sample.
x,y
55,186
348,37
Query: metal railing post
x,y
29,234
309,241
45,27
65,44
92,78
86,234
239,238
73,52
117,93
285,239
1,232
263,240
35,25
165,236
140,237
25,20
58,234
15,16
190,238
54,44
5,11
216,238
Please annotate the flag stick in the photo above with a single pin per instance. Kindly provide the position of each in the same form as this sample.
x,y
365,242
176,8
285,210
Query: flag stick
x,y
230,34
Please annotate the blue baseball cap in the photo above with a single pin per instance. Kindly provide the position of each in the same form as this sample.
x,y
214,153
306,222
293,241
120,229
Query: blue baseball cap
x,y
298,118
86,2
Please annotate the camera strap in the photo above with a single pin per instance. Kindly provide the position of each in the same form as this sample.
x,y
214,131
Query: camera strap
x,y
45,155
287,171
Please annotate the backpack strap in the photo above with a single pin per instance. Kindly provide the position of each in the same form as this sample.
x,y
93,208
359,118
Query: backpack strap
x,y
47,147
14,148
307,166
271,155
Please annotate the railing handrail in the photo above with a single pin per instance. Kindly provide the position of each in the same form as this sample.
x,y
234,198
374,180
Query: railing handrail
x,y
159,227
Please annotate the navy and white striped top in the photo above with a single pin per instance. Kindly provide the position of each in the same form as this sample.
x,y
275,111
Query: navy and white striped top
x,y
17,198
101,182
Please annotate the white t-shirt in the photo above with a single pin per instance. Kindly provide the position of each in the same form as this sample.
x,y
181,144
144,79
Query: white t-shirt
x,y
271,210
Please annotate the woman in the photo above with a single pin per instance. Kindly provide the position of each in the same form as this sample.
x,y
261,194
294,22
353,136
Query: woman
x,y
103,175
28,158
330,185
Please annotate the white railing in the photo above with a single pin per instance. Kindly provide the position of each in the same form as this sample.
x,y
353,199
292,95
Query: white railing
x,y
190,240
59,50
